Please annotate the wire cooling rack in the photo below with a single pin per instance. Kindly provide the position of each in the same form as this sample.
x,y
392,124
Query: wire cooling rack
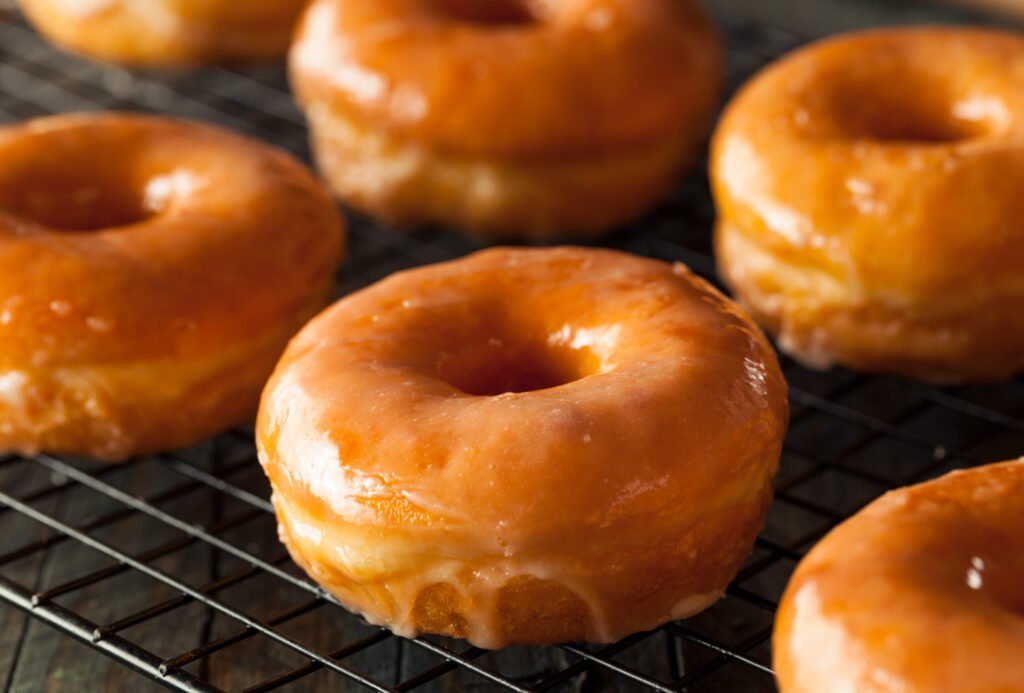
x,y
170,564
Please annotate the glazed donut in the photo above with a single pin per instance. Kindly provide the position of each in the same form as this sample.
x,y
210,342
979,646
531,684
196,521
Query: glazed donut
x,y
151,273
525,446
168,33
870,212
506,118
922,591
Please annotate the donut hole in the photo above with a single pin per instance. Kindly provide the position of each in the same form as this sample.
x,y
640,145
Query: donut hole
x,y
907,106
494,12
912,126
499,366
1013,600
73,198
1006,584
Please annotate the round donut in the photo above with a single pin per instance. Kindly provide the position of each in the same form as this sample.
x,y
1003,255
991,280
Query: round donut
x,y
506,118
921,591
168,33
870,212
525,446
151,273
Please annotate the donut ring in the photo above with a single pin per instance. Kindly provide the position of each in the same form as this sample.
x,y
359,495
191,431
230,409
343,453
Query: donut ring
x,y
921,591
447,448
151,273
896,243
506,118
168,33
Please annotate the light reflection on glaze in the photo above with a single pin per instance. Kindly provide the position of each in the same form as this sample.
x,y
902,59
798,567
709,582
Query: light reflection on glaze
x,y
985,109
82,9
161,191
757,374
318,463
13,388
810,629
974,574
320,41
746,171
600,340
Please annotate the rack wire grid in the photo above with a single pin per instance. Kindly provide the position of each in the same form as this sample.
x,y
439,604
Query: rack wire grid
x,y
170,564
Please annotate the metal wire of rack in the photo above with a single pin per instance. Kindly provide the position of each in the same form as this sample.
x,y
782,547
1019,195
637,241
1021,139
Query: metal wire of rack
x,y
169,564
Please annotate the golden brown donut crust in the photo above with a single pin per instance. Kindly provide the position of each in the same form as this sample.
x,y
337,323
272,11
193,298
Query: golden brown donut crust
x,y
151,272
568,121
921,591
870,213
168,33
609,474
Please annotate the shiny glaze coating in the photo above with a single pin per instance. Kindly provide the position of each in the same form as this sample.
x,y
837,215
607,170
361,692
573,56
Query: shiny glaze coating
x,y
921,591
168,33
151,273
869,202
509,119
525,446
